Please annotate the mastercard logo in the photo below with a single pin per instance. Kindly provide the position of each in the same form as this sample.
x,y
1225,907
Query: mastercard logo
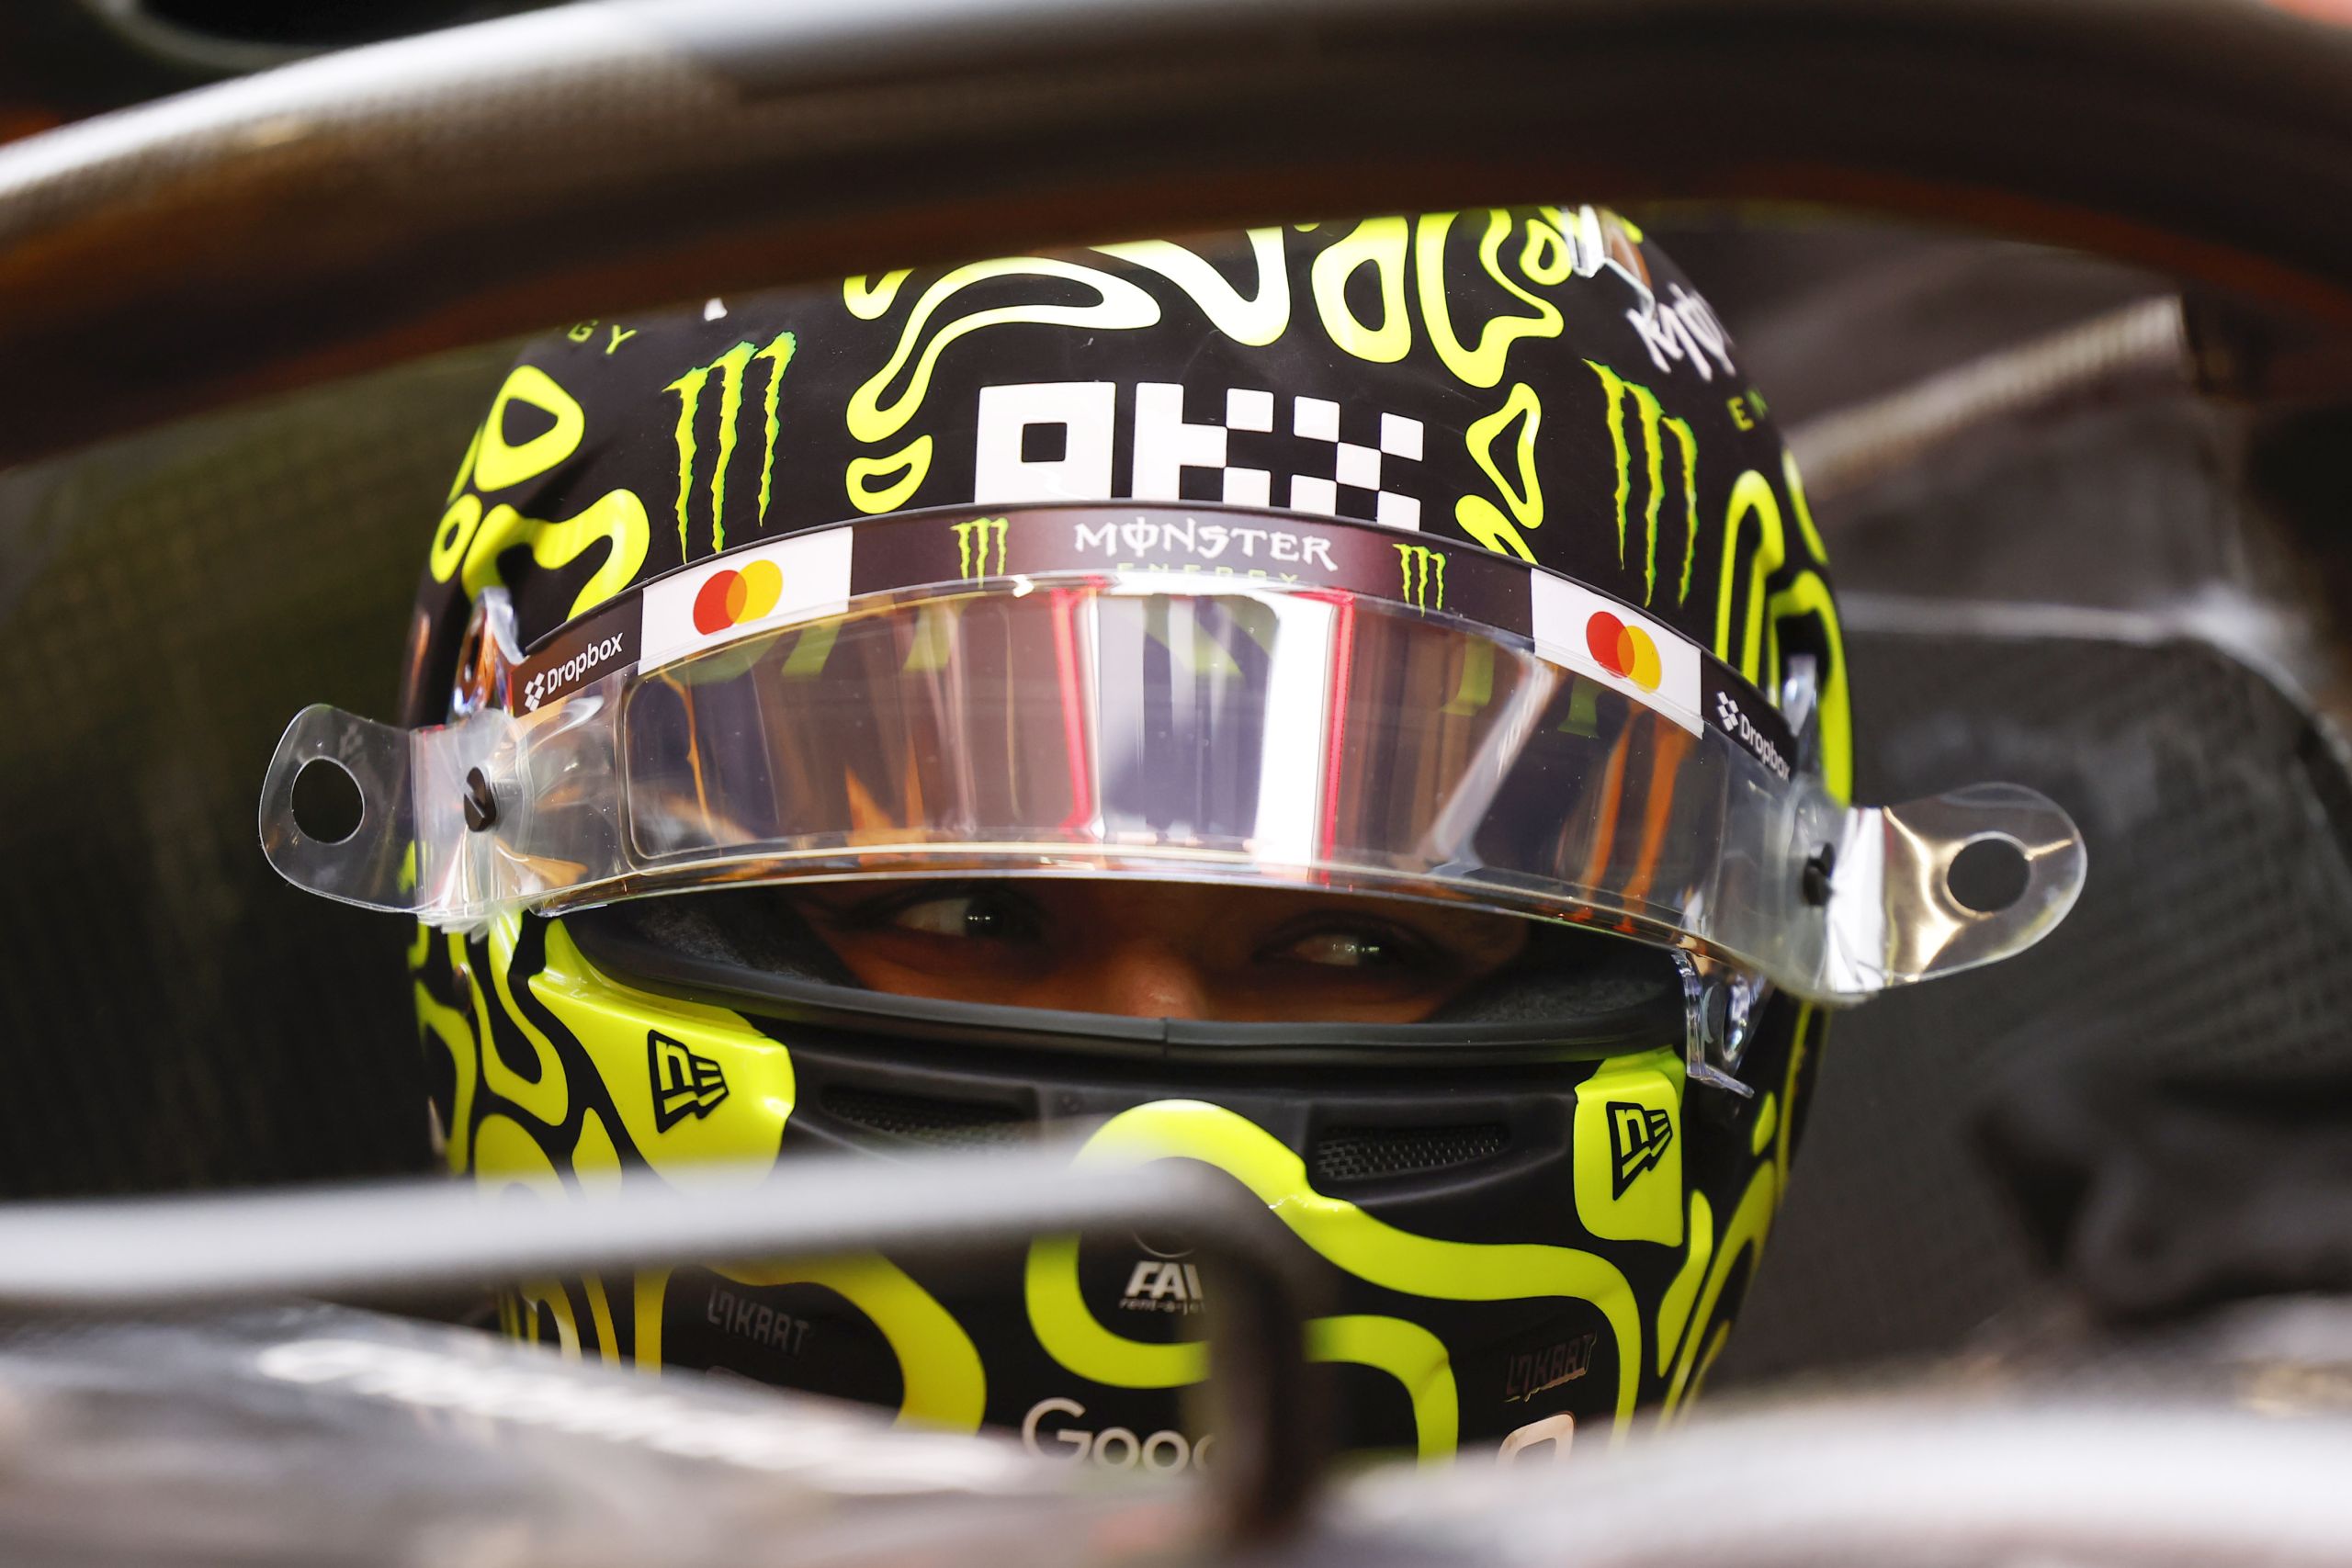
x,y
730,598
1627,652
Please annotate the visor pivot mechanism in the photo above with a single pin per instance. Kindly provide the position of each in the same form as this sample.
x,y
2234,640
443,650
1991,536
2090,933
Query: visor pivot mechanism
x,y
481,802
1818,875
1716,1011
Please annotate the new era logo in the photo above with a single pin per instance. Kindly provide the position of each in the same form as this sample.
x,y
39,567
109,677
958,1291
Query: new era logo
x,y
1639,1137
685,1084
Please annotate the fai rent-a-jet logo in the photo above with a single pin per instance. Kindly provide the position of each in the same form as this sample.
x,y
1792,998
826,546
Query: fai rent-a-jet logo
x,y
1639,1137
1164,1286
684,1082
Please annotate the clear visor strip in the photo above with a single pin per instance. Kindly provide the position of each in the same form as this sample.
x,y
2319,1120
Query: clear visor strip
x,y
1830,902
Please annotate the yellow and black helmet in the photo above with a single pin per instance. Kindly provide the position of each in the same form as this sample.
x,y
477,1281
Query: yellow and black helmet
x,y
1448,558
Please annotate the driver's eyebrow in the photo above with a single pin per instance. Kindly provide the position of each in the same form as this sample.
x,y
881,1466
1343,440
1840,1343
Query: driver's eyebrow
x,y
833,900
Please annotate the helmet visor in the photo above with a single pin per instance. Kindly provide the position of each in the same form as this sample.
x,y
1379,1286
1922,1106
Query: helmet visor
x,y
1157,723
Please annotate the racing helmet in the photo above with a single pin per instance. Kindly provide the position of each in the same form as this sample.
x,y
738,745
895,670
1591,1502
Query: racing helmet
x,y
1448,557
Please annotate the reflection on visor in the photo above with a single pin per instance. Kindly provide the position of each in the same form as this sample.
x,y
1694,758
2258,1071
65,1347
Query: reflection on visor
x,y
1290,735
1157,725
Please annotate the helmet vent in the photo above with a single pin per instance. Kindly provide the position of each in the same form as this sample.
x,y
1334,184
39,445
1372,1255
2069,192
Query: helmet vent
x,y
919,1119
1367,1154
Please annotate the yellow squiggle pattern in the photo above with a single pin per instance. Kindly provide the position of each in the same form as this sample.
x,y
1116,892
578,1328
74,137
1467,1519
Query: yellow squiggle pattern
x,y
1476,515
1415,1357
545,1099
465,474
911,463
1750,494
1481,366
1337,1231
617,517
1256,320
1786,1132
455,1033
495,465
938,1365
1682,1292
871,301
1806,595
648,1290
1797,503
454,537
1744,1235
1120,306
1380,243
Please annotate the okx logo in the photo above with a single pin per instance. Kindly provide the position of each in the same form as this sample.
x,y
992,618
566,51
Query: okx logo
x,y
1424,575
1035,439
685,1084
973,540
729,371
1661,482
1639,1137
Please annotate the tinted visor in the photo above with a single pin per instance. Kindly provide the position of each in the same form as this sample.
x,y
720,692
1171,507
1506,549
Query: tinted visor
x,y
1273,737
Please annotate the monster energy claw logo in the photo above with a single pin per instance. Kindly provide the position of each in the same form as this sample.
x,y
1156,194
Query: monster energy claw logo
x,y
1654,426
1422,569
972,541
728,367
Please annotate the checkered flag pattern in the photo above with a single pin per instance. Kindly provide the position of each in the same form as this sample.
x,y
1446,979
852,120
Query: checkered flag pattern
x,y
1355,466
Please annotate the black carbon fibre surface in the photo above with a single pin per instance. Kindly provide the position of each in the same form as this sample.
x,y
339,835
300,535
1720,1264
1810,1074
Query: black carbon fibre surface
x,y
172,1015
2214,932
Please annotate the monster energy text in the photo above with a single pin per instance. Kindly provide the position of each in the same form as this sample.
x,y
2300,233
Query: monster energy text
x,y
1200,541
730,368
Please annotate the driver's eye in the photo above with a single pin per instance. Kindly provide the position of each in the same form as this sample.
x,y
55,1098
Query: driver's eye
x,y
980,914
1345,950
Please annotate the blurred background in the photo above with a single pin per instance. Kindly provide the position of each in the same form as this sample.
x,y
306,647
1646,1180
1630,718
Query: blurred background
x,y
2074,554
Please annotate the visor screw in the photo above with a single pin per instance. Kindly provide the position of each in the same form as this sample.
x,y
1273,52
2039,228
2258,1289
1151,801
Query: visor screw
x,y
1817,872
482,807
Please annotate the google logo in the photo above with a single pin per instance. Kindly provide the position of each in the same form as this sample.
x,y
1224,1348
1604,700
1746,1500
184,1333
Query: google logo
x,y
729,598
1622,650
